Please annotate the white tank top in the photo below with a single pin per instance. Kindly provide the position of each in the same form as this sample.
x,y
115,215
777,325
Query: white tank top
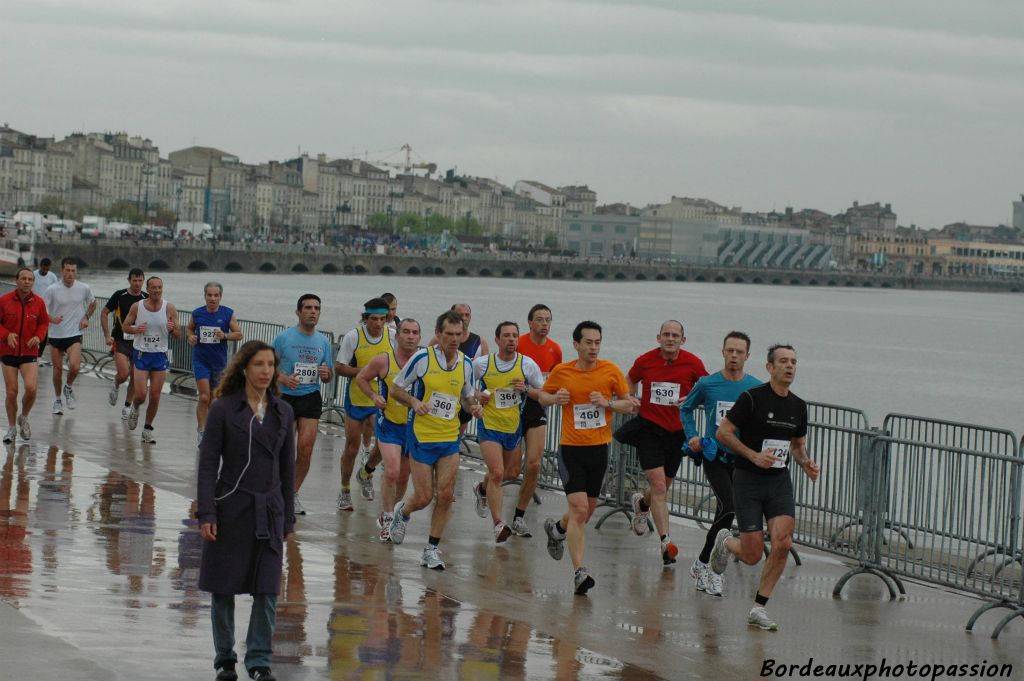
x,y
154,339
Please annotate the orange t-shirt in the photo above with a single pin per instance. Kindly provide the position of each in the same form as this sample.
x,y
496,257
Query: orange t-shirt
x,y
583,424
546,356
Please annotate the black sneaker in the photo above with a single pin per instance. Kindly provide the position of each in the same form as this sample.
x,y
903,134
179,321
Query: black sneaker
x,y
262,674
226,672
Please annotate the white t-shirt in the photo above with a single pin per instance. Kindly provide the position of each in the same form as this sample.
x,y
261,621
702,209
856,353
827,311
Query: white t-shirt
x,y
69,302
43,282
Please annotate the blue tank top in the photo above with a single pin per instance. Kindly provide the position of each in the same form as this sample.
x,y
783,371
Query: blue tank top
x,y
211,353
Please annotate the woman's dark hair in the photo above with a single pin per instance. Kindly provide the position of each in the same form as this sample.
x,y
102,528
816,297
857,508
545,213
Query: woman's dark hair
x,y
233,379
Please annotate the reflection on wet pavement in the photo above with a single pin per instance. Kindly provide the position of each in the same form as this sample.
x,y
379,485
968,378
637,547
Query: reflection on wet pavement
x,y
111,563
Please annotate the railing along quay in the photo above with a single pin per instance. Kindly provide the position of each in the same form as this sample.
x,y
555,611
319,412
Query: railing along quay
x,y
929,500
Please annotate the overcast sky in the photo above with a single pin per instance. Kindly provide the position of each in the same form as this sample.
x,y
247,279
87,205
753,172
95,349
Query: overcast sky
x,y
760,104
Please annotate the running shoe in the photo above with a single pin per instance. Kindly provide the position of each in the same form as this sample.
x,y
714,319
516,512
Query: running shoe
x,y
639,522
501,532
262,674
365,484
669,551
133,417
12,433
432,558
58,407
24,429
582,581
344,500
69,397
112,395
699,571
384,523
556,544
147,436
226,672
299,508
715,583
125,413
520,528
481,499
719,559
398,523
758,617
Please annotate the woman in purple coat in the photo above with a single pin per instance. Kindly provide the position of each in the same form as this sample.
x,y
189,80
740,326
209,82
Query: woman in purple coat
x,y
246,504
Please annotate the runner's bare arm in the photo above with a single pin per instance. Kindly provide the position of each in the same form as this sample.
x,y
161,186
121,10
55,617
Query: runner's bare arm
x,y
798,449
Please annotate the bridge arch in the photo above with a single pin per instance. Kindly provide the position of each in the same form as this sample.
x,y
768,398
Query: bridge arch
x,y
329,268
700,277
158,264
530,274
439,272
117,264
387,269
794,282
719,279
299,268
485,272
508,273
233,267
738,280
268,267
758,280
413,270
680,277
660,277
599,275
359,269
197,266
557,274
577,275
461,272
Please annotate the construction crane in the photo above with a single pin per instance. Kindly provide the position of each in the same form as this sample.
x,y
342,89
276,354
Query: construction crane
x,y
408,166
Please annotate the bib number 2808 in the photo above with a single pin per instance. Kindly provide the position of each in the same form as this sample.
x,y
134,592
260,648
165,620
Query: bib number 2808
x,y
588,417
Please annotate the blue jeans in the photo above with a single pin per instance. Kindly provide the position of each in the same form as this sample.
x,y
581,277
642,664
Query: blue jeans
x,y
258,640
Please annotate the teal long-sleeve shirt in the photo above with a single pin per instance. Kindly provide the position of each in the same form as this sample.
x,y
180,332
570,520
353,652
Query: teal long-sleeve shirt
x,y
716,394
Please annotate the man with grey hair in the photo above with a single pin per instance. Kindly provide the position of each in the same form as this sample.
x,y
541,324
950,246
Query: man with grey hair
x,y
209,331
765,429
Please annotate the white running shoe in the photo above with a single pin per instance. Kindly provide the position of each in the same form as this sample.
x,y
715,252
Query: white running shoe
x,y
582,581
344,500
58,407
398,523
501,532
24,429
699,571
69,397
112,395
758,617
432,558
520,528
12,434
365,484
639,522
719,559
125,413
384,523
133,417
481,500
715,584
556,544
147,436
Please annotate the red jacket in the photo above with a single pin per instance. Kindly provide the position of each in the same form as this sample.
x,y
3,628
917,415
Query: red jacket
x,y
26,319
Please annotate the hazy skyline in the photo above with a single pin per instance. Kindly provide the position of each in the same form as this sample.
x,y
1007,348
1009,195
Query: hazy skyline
x,y
760,105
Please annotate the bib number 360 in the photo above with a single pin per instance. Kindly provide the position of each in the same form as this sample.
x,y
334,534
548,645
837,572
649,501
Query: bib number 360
x,y
588,417
443,406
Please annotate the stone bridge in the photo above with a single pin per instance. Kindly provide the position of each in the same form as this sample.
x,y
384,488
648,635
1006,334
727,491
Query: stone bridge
x,y
207,257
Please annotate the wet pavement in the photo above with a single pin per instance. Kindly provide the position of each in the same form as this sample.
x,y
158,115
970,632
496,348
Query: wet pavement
x,y
99,560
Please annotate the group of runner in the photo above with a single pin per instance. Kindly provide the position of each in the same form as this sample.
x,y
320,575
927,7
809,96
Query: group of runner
x,y
407,405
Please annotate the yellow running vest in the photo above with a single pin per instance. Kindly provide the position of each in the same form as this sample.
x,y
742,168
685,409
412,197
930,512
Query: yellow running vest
x,y
442,389
394,411
501,413
365,351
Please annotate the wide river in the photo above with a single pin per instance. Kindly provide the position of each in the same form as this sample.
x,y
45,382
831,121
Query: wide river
x,y
945,355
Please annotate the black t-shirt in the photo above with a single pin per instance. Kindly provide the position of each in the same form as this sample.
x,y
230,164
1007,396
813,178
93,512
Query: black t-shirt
x,y
766,419
121,304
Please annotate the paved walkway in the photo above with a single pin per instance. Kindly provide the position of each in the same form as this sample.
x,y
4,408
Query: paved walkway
x,y
99,562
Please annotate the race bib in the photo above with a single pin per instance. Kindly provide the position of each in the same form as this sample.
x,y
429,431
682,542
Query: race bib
x,y
151,343
588,416
665,393
506,398
208,334
306,372
780,450
721,411
443,406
